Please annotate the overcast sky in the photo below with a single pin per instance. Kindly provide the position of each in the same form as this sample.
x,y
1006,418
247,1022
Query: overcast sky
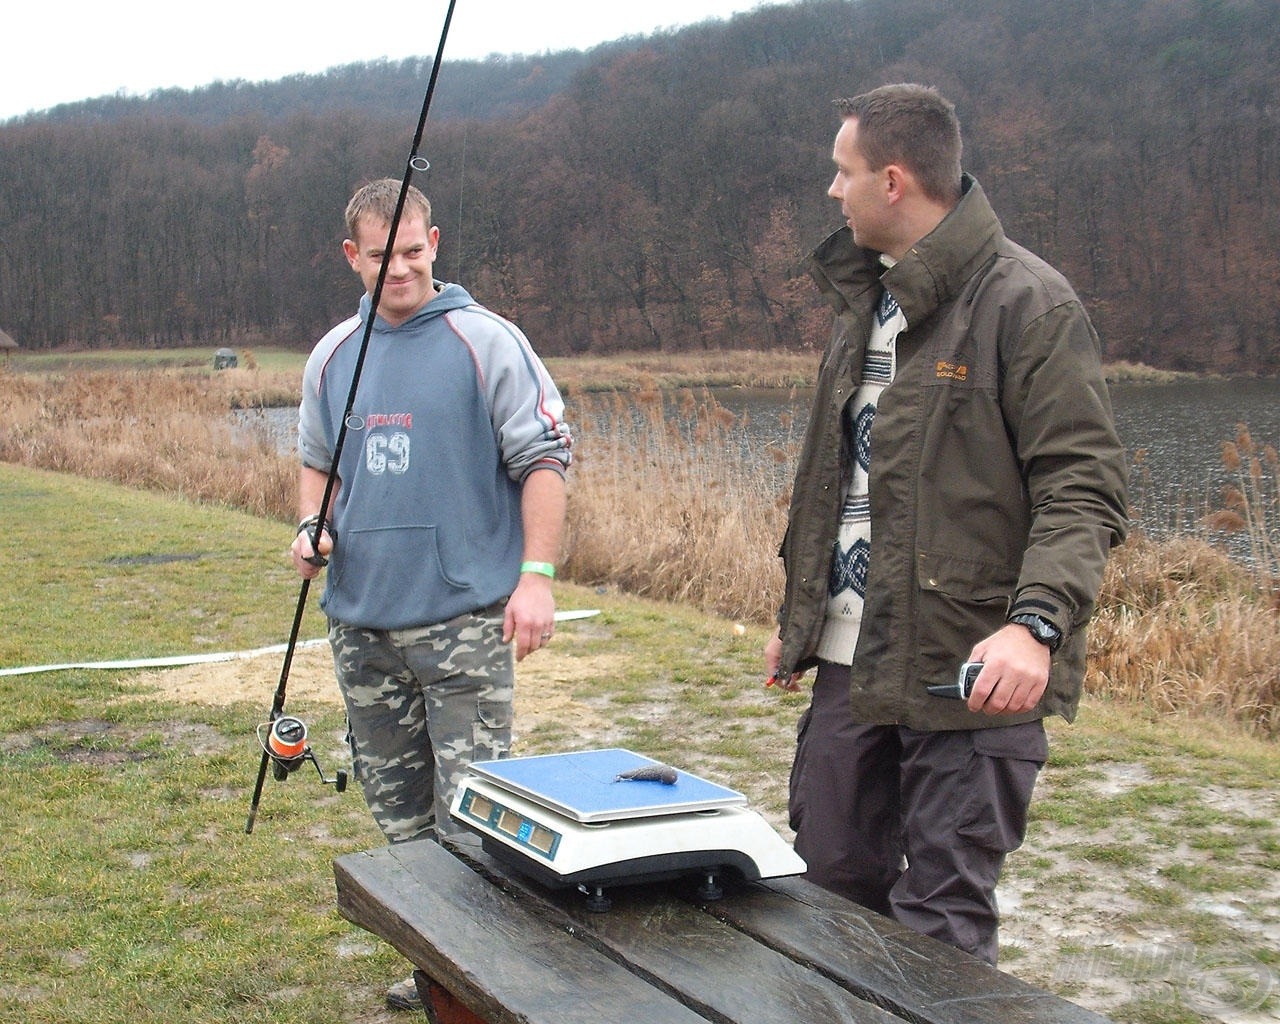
x,y
82,49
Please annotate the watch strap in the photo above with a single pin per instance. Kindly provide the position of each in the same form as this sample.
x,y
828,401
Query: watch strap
x,y
1041,628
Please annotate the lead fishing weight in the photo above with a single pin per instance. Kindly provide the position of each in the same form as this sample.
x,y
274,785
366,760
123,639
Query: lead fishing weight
x,y
663,773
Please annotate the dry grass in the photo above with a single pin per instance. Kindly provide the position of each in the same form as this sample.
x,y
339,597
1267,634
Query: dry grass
x,y
673,504
1179,627
160,430
664,502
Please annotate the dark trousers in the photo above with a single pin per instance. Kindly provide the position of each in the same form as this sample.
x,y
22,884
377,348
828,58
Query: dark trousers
x,y
915,825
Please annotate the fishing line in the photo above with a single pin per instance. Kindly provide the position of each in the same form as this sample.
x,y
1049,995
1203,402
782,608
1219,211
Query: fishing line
x,y
414,163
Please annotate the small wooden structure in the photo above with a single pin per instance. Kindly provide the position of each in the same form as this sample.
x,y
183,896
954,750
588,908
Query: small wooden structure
x,y
225,359
492,946
6,344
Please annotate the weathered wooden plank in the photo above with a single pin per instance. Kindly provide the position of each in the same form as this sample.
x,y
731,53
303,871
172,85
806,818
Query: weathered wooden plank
x,y
913,975
717,970
504,962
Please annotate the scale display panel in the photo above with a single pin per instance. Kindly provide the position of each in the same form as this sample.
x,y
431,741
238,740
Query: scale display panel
x,y
583,786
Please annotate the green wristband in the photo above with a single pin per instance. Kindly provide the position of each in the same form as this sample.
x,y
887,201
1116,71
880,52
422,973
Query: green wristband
x,y
541,568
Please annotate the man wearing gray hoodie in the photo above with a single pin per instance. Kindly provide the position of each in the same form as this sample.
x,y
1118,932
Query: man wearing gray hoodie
x,y
445,521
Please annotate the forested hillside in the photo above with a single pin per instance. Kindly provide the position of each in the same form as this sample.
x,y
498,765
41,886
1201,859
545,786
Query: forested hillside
x,y
661,193
386,90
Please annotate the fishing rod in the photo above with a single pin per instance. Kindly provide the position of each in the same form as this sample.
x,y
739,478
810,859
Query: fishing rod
x,y
284,746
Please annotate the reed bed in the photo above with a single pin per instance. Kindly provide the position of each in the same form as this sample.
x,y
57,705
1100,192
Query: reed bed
x,y
669,499
160,430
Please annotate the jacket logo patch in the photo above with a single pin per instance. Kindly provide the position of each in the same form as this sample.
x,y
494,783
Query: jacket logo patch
x,y
951,371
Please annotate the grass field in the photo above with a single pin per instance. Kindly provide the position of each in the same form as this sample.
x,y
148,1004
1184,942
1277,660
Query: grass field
x,y
129,890
1148,887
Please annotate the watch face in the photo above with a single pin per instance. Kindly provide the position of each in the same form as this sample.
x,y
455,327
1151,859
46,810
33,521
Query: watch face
x,y
1042,629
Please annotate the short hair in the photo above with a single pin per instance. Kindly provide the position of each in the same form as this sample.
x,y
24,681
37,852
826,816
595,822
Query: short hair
x,y
912,125
378,199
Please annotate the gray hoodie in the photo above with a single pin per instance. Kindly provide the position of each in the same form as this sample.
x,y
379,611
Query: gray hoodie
x,y
452,411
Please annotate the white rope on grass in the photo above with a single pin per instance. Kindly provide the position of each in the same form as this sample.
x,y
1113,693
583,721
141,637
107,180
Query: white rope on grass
x,y
178,660
170,662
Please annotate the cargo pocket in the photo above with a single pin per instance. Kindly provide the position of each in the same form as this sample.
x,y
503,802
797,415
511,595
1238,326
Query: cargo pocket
x,y
999,781
491,734
795,805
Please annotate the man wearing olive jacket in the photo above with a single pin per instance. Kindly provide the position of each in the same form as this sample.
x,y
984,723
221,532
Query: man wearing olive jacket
x,y
960,486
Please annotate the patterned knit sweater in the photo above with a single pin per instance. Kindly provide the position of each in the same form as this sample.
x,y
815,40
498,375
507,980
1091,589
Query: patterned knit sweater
x,y
847,586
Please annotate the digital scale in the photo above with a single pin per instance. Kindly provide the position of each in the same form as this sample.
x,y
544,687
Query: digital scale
x,y
572,820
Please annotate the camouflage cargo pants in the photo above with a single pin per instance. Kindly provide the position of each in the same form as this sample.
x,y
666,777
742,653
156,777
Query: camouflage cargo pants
x,y
422,704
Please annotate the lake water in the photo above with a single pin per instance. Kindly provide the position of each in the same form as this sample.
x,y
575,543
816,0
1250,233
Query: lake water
x,y
1173,432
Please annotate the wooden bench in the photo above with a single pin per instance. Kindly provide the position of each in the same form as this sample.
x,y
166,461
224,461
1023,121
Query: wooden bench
x,y
784,950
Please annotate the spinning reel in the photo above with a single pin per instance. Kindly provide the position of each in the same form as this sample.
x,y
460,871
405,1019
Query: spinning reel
x,y
284,741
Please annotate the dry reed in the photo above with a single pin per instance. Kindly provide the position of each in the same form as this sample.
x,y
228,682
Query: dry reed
x,y
166,431
670,499
676,503
1251,504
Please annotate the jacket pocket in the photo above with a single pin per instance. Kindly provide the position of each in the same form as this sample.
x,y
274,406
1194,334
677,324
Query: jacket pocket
x,y
384,551
961,602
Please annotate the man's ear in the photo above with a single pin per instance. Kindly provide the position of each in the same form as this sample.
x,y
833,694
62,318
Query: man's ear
x,y
350,251
897,181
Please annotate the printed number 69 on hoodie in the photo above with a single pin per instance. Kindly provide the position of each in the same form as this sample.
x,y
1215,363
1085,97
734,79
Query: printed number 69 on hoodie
x,y
386,454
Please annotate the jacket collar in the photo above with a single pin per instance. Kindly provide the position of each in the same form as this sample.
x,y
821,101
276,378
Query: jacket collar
x,y
843,271
932,272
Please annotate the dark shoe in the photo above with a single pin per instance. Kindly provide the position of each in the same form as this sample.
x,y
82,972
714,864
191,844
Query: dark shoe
x,y
403,995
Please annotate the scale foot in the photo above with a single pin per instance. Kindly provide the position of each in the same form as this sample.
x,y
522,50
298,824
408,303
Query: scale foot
x,y
597,901
710,889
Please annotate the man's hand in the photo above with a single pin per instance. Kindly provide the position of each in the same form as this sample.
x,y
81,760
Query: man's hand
x,y
312,483
1015,672
530,618
772,659
301,550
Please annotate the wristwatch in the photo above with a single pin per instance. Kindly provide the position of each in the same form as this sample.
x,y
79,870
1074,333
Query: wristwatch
x,y
1041,628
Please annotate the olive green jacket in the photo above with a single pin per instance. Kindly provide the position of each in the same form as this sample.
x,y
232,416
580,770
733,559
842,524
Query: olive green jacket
x,y
997,476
